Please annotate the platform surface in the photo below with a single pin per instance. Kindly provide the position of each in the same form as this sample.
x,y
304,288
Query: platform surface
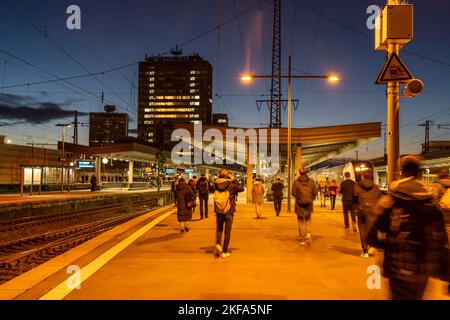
x,y
266,262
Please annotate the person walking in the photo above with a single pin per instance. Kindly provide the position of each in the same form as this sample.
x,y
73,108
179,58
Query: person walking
x,y
347,190
333,190
193,185
173,188
204,188
442,198
367,194
416,245
93,183
185,200
323,193
277,192
304,191
258,196
226,191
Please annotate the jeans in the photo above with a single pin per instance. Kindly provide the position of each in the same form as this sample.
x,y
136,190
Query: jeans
x,y
303,227
203,205
333,201
222,220
277,204
258,210
348,207
362,234
405,290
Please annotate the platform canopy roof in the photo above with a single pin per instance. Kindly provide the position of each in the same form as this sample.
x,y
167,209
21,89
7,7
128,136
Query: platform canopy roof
x,y
318,144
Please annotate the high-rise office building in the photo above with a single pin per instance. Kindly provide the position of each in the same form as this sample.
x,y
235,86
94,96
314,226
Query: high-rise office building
x,y
220,119
107,127
172,89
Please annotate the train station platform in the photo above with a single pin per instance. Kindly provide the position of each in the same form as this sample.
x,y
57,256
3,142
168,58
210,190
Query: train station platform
x,y
151,259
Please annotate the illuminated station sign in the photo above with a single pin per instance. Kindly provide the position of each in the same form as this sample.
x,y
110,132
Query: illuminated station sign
x,y
82,164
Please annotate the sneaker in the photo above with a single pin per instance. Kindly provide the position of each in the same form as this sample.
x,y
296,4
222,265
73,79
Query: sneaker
x,y
372,250
303,243
225,254
218,249
308,238
365,255
187,229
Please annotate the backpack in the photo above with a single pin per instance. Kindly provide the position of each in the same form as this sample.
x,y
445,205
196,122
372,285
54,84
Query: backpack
x,y
222,202
258,188
444,203
203,187
305,197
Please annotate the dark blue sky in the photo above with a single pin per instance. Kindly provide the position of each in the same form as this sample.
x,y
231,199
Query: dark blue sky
x,y
116,33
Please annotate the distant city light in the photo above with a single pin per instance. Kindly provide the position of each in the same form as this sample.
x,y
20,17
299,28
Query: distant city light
x,y
333,78
105,160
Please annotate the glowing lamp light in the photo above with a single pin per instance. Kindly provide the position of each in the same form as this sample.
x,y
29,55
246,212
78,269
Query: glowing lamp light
x,y
333,78
357,169
8,141
72,164
247,77
105,160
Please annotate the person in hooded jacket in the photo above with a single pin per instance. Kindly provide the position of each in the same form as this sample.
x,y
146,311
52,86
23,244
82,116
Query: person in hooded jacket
x,y
225,182
185,197
277,192
333,190
440,188
304,191
203,188
258,196
416,241
367,194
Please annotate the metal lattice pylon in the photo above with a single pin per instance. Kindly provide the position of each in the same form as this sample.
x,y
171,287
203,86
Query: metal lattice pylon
x,y
275,92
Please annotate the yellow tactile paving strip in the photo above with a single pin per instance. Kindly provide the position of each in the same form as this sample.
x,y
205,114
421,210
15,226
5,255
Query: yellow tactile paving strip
x,y
14,288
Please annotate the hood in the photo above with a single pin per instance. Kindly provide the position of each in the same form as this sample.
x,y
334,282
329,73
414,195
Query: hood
x,y
181,186
445,182
410,189
366,184
222,183
303,178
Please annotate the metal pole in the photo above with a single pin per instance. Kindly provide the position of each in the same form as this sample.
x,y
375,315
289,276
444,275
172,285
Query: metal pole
x,y
62,161
289,156
393,105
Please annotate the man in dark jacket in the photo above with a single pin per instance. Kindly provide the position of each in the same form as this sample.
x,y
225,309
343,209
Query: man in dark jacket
x,y
416,245
203,187
304,191
347,190
93,183
277,192
366,198
225,184
184,203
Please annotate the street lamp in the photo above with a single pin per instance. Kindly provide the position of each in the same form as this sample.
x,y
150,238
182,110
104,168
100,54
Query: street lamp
x,y
247,78
63,127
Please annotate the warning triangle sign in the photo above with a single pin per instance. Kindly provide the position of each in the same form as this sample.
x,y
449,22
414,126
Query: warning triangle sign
x,y
394,70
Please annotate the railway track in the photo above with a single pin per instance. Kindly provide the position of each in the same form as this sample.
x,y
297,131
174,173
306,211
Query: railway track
x,y
21,255
24,223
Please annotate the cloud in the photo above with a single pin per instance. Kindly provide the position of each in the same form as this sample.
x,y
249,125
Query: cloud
x,y
25,109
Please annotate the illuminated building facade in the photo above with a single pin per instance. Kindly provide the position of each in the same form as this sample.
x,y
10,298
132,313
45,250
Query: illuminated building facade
x,y
172,89
107,127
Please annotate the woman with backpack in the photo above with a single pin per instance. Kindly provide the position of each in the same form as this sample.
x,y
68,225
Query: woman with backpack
x,y
333,190
258,196
185,203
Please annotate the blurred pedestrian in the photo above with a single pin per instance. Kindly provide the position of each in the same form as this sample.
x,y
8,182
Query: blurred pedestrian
x,y
193,186
347,190
304,191
323,193
204,188
226,190
258,196
333,190
367,194
173,188
184,204
277,192
416,245
442,195
93,183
